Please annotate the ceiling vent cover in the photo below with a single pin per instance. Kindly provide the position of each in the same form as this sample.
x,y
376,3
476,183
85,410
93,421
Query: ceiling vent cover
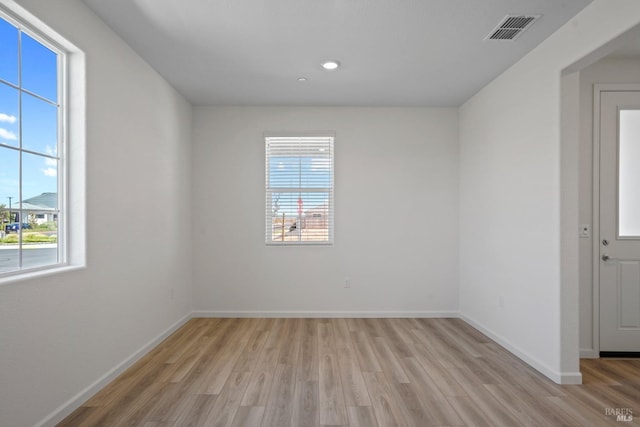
x,y
511,27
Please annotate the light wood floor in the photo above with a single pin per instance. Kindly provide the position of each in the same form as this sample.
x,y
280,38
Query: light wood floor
x,y
351,372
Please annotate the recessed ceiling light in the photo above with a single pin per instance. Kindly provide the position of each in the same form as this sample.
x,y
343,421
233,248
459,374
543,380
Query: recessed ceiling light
x,y
302,79
330,65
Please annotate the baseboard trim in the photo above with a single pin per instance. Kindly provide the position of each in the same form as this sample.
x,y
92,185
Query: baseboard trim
x,y
327,314
588,353
74,403
570,378
557,377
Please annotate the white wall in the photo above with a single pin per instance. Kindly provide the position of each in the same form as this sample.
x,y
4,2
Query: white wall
x,y
510,198
616,70
60,334
396,215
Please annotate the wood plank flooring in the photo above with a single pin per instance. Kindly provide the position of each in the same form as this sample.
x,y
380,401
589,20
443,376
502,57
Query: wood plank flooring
x,y
352,372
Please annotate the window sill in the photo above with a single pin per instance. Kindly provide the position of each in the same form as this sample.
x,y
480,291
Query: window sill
x,y
38,273
299,243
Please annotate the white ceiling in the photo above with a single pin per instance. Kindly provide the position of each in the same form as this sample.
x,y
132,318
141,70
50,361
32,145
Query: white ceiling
x,y
393,52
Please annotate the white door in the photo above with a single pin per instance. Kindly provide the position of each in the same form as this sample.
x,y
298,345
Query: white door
x,y
619,221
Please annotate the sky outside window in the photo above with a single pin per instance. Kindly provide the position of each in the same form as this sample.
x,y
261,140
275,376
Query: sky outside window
x,y
287,173
39,124
39,69
8,52
9,176
9,115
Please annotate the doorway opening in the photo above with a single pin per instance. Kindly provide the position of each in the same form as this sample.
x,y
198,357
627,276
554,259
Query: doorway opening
x,y
615,65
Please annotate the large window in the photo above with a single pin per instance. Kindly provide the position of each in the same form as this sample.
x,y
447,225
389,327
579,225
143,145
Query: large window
x,y
31,148
299,189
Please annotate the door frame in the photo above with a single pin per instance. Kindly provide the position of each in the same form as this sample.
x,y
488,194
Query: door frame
x,y
598,89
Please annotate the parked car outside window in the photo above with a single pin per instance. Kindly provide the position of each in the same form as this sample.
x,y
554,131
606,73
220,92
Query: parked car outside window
x,y
15,226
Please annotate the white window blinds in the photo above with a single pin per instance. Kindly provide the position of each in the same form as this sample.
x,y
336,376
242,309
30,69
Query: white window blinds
x,y
299,189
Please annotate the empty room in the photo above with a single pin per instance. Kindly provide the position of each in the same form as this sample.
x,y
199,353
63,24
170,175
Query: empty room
x,y
319,213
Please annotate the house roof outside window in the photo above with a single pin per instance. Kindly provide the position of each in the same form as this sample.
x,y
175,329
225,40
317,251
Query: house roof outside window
x,y
43,202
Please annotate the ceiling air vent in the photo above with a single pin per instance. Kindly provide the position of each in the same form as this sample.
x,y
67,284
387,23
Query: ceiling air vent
x,y
511,27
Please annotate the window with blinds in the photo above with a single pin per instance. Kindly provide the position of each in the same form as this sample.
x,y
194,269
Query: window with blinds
x,y
299,190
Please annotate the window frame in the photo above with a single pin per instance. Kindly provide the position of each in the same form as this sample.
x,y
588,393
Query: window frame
x,y
71,129
269,191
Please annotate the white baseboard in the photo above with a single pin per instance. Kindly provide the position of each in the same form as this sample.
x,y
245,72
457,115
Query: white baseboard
x,y
570,378
74,403
555,376
589,353
329,314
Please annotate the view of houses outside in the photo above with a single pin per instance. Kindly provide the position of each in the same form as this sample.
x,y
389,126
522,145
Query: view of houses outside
x,y
312,225
33,226
39,212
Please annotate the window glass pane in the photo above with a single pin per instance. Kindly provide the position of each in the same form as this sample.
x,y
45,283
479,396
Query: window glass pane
x,y
39,125
39,175
284,172
9,204
312,171
298,216
9,118
8,52
629,174
35,253
39,210
9,178
284,217
9,260
39,240
39,68
317,171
